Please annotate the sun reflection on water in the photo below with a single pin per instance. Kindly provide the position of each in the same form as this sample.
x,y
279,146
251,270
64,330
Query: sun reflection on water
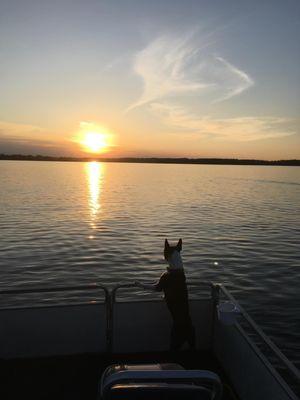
x,y
94,171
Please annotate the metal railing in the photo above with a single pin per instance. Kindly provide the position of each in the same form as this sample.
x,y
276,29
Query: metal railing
x,y
111,298
118,287
91,286
287,363
109,301
115,289
197,283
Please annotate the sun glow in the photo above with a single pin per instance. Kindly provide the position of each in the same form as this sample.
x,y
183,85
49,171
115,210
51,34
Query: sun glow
x,y
93,138
95,142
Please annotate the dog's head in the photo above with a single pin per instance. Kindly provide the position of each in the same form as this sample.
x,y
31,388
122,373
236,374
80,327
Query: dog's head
x,y
172,255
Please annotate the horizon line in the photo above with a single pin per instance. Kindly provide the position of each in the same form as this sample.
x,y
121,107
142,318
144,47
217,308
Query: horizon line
x,y
152,159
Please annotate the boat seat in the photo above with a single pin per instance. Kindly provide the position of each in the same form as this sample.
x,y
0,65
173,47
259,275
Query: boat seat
x,y
158,381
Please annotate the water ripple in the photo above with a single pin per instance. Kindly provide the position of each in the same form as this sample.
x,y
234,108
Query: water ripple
x,y
75,223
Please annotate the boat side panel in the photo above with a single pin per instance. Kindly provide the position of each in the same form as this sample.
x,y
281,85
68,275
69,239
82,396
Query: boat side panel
x,y
52,331
145,326
250,373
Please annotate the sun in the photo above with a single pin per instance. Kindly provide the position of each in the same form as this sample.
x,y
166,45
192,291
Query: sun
x,y
94,138
95,142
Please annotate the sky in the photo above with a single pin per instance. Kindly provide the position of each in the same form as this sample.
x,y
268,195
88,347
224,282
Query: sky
x,y
164,78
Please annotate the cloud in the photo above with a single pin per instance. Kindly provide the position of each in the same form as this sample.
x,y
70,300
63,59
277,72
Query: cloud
x,y
234,129
237,80
172,66
26,138
13,130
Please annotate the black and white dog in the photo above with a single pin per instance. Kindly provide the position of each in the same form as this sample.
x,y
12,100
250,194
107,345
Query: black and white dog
x,y
173,284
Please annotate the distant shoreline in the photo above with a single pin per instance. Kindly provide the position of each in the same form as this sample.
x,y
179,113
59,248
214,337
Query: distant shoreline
x,y
153,160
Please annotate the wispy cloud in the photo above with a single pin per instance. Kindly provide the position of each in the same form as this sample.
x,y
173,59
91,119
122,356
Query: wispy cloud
x,y
235,82
234,129
172,66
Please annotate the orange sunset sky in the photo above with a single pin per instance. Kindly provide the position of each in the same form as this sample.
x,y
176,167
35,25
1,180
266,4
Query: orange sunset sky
x,y
160,78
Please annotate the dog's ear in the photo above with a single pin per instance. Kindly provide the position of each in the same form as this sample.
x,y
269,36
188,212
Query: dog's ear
x,y
167,246
179,245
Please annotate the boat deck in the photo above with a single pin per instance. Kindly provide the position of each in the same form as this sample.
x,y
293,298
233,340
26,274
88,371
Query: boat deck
x,y
77,376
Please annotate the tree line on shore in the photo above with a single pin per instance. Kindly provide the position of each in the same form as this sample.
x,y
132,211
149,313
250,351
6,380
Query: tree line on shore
x,y
159,160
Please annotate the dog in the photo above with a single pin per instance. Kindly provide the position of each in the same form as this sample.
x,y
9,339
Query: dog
x,y
173,284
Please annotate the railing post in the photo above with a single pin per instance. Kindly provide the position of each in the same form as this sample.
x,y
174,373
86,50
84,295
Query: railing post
x,y
111,313
215,294
108,324
108,311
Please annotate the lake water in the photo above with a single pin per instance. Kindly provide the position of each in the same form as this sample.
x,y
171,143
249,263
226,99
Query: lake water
x,y
77,223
